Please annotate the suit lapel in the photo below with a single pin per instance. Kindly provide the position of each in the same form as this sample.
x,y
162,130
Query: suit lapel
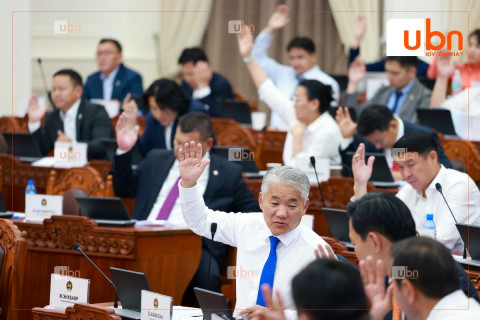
x,y
409,99
118,82
79,119
214,178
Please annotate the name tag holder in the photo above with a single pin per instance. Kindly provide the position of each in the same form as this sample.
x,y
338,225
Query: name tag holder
x,y
41,206
156,306
66,291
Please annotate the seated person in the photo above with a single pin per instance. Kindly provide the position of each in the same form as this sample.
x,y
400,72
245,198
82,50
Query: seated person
x,y
312,131
377,221
199,82
303,62
222,186
378,128
73,120
432,291
274,245
404,95
378,66
166,103
113,81
417,160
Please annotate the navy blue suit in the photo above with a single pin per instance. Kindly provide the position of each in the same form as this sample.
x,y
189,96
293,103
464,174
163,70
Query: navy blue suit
x,y
220,89
370,148
126,81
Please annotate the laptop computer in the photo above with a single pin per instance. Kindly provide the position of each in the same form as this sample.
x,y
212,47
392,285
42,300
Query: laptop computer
x,y
249,167
438,119
22,146
4,214
338,223
237,110
110,145
471,237
106,211
129,286
213,303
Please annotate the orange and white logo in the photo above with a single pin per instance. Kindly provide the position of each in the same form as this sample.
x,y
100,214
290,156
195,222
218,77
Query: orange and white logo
x,y
415,37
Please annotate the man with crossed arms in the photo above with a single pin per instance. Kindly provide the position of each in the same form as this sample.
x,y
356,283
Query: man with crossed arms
x,y
272,247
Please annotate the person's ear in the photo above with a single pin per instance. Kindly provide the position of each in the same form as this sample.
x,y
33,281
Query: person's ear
x,y
393,124
409,292
78,90
209,144
375,240
305,208
433,156
260,200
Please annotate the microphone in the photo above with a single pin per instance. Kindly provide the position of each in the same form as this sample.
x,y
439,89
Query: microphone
x,y
101,181
312,161
77,247
45,87
213,229
252,136
438,186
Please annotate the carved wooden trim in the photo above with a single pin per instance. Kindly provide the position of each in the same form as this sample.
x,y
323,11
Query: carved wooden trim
x,y
77,312
60,232
86,178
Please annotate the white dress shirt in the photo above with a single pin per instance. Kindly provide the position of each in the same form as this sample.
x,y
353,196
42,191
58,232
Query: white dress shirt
x,y
176,217
454,306
321,138
250,234
108,83
168,136
461,194
285,77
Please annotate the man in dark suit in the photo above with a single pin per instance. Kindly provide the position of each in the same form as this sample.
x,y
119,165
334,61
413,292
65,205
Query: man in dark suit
x,y
378,129
155,185
114,81
404,95
201,83
74,119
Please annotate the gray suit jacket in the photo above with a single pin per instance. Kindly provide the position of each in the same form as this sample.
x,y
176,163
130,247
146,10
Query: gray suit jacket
x,y
417,98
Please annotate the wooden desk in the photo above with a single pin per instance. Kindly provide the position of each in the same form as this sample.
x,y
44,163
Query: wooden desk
x,y
169,257
78,311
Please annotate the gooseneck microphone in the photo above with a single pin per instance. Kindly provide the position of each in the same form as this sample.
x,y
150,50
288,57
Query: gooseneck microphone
x,y
213,229
77,247
251,136
438,186
312,161
45,87
101,181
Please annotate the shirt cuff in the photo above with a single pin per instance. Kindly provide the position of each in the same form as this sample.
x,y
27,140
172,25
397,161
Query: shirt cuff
x,y
345,142
32,127
201,93
187,193
119,152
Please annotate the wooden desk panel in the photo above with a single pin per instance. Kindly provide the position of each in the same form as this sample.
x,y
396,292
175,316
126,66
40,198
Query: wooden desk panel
x,y
169,257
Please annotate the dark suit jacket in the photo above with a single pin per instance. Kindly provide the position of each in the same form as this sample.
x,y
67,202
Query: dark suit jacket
x,y
226,190
370,148
126,81
220,89
93,124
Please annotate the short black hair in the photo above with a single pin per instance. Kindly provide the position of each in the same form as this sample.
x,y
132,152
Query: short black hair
x,y
376,117
405,62
383,213
115,42
436,272
75,77
196,122
321,92
302,43
330,289
418,141
168,95
192,55
475,33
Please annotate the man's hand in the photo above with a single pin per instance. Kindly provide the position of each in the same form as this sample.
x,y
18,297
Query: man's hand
x,y
360,27
245,42
298,129
35,112
321,253
361,171
445,67
279,18
191,164
130,109
126,136
356,70
275,311
255,312
62,137
202,74
345,122
373,278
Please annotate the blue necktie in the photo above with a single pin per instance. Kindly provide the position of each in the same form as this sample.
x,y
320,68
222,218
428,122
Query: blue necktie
x,y
268,271
398,94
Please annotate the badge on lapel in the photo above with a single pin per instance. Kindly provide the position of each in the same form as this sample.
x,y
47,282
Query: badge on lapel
x,y
118,83
80,116
215,172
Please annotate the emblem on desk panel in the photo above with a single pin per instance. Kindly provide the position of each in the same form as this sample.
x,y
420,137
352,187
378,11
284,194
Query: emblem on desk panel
x,y
155,303
69,286
44,202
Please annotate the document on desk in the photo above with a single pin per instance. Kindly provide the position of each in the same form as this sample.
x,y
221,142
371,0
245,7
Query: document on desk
x,y
186,313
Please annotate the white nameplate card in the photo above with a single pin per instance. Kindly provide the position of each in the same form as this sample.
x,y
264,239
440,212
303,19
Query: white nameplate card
x,y
66,291
42,206
111,106
156,306
70,154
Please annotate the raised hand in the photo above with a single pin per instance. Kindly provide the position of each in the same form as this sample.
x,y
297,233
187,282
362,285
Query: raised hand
x,y
322,253
345,122
35,112
245,42
130,109
357,70
279,18
361,171
373,278
360,27
126,136
191,164
202,74
444,66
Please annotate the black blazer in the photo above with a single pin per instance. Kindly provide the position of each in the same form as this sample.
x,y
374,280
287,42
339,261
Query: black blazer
x,y
93,124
